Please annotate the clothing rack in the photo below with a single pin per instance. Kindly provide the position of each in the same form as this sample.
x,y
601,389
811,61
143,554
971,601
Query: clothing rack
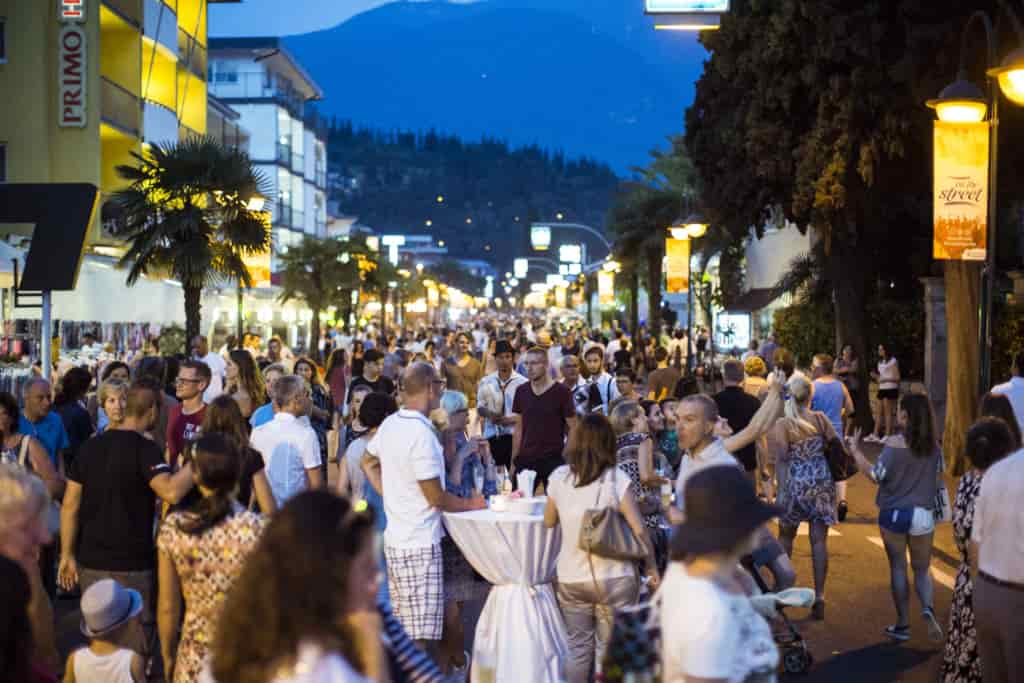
x,y
13,378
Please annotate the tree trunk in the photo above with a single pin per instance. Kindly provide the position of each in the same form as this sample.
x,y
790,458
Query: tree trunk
x,y
193,315
846,268
962,301
654,260
314,333
634,300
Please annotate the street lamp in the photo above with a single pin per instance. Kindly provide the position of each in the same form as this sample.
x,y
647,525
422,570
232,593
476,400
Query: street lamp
x,y
694,225
964,102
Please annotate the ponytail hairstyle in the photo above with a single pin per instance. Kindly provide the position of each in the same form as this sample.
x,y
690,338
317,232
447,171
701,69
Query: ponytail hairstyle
x,y
218,464
798,395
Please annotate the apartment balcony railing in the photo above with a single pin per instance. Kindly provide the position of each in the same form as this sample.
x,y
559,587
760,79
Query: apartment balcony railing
x,y
120,108
284,153
191,54
234,86
129,9
297,161
284,214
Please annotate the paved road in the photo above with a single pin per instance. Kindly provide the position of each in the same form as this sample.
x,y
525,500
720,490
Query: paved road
x,y
849,645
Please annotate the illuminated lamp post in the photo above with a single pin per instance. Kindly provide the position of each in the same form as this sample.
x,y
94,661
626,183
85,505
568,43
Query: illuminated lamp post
x,y
691,227
964,102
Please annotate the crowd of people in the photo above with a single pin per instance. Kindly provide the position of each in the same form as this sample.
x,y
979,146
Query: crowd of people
x,y
250,515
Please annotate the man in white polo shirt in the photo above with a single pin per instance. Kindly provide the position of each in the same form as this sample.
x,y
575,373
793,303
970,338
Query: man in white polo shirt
x,y
1014,389
289,446
413,477
997,558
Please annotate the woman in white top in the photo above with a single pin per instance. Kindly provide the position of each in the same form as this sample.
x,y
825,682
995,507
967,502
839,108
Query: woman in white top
x,y
303,608
718,637
591,587
888,378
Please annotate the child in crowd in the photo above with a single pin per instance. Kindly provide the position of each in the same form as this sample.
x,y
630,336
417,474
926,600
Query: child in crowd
x,y
108,611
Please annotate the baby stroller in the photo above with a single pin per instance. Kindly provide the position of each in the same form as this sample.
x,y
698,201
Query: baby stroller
x,y
795,655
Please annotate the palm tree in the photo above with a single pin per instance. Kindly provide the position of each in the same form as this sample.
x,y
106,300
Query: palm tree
x,y
189,213
321,271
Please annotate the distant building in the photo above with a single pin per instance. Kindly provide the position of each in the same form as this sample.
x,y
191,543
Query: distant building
x,y
263,82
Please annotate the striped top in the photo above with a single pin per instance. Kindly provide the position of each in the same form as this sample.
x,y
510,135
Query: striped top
x,y
409,662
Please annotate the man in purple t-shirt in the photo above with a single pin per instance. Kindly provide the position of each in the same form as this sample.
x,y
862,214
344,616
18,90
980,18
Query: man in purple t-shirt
x,y
545,413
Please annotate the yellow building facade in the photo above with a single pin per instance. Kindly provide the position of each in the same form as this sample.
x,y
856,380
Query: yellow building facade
x,y
87,82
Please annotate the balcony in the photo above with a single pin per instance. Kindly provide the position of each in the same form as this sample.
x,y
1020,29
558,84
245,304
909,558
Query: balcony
x,y
321,179
283,215
120,108
159,124
247,86
284,153
191,54
298,220
130,10
297,161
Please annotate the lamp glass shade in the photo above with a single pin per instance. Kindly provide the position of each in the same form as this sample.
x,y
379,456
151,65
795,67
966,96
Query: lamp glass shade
x,y
1011,82
961,111
679,232
697,229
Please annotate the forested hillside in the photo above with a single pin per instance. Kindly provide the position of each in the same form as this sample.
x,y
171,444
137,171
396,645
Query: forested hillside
x,y
489,192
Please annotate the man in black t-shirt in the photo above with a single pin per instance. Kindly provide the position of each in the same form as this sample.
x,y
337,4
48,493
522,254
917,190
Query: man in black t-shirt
x,y
109,506
372,377
546,414
738,407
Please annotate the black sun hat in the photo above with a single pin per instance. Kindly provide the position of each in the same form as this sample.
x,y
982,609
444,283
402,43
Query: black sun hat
x,y
722,509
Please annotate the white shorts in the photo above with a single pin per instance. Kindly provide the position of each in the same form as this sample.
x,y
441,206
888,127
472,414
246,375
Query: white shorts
x,y
923,522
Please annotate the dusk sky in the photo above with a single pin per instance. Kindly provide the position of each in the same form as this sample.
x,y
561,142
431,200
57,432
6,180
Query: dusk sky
x,y
284,17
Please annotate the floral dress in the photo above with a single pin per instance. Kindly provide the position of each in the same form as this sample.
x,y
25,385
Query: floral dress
x,y
207,566
960,661
647,498
807,493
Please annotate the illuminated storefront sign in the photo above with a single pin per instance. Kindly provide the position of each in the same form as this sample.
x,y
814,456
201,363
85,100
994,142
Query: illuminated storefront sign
x,y
540,237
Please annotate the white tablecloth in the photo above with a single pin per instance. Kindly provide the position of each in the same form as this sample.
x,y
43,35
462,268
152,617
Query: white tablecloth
x,y
520,629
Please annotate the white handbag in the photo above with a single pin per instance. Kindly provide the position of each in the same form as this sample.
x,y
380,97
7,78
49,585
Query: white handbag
x,y
943,507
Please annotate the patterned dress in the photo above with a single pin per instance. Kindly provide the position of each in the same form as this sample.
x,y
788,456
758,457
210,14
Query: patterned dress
x,y
648,499
207,566
460,581
960,661
807,493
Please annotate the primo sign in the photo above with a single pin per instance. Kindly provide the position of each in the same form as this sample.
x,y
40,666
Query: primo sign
x,y
71,65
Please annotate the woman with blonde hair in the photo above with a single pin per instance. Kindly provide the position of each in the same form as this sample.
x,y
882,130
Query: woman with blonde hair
x,y
24,503
112,398
634,454
807,492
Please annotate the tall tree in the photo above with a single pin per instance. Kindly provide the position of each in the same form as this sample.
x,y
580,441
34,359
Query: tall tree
x,y
322,272
187,214
815,108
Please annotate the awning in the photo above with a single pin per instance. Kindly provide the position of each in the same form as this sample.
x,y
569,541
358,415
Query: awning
x,y
754,300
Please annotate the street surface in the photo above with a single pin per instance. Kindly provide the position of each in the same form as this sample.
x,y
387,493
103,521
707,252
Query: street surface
x,y
849,645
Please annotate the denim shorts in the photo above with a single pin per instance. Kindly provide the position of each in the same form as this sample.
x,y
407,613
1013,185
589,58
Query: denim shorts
x,y
915,521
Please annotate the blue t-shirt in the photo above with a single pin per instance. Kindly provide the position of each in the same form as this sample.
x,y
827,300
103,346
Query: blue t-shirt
x,y
829,398
262,415
49,432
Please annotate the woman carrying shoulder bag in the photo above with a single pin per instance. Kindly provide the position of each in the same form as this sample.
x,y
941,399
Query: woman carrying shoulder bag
x,y
590,587
908,475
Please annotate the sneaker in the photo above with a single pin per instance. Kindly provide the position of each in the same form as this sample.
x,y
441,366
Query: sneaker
x,y
841,510
934,630
460,674
900,633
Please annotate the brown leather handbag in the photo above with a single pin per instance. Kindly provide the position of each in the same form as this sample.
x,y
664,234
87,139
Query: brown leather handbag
x,y
606,533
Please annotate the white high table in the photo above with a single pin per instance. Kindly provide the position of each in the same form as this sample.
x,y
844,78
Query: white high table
x,y
521,632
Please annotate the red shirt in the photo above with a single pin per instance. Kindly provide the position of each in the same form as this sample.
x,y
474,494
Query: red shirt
x,y
544,419
182,429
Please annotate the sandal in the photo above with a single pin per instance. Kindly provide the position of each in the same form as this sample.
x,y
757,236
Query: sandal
x,y
898,632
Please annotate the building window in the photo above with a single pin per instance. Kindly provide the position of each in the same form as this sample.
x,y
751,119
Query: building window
x,y
3,162
3,40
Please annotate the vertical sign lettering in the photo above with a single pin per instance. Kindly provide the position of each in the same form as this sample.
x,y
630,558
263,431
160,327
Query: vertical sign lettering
x,y
71,77
961,190
71,10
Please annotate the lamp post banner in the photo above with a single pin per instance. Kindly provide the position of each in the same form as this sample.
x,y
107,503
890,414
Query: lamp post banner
x,y
677,271
960,222
605,288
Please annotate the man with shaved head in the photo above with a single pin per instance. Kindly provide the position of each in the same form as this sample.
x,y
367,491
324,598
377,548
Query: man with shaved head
x,y
413,477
